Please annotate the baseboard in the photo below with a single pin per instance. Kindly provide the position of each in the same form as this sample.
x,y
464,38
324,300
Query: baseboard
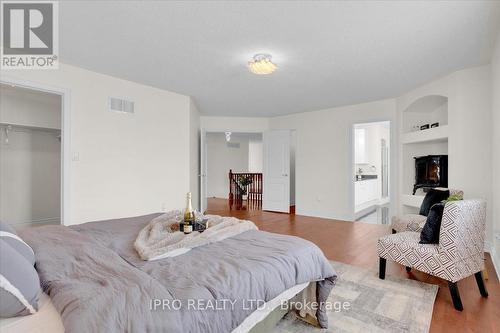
x,y
364,212
490,248
53,220
322,216
496,262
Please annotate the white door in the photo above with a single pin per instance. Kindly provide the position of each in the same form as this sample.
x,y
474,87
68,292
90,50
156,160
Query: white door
x,y
203,171
276,186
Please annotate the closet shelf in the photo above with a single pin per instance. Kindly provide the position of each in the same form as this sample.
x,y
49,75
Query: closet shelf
x,y
30,127
432,134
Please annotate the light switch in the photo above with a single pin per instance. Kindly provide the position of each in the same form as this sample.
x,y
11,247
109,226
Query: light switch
x,y
75,157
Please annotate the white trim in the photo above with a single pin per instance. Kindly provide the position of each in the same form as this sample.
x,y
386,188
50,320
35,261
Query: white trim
x,y
7,286
490,248
65,137
16,237
235,131
36,221
495,260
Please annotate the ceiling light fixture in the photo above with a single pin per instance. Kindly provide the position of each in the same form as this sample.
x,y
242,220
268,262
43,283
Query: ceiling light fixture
x,y
261,64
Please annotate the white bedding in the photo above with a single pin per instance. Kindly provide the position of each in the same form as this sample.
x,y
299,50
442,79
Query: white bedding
x,y
48,319
158,239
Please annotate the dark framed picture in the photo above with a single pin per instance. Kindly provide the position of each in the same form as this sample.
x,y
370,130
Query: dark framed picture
x,y
424,127
434,125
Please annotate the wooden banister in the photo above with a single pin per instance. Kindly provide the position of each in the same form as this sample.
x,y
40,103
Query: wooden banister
x,y
245,183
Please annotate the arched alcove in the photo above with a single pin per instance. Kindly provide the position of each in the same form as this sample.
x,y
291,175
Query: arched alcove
x,y
426,110
431,111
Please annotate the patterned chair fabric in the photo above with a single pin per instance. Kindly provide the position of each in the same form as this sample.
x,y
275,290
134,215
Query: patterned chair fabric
x,y
460,252
415,222
408,222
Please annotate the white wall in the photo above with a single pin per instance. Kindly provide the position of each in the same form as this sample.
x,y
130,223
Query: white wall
x,y
221,158
470,138
194,153
129,164
495,76
255,152
234,124
324,157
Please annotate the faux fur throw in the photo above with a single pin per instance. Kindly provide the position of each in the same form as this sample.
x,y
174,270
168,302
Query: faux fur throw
x,y
161,238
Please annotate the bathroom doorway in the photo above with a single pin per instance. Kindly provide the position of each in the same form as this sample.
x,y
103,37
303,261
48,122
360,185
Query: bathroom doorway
x,y
372,171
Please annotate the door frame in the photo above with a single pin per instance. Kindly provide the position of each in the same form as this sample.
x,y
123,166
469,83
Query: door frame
x,y
392,163
65,136
203,175
207,131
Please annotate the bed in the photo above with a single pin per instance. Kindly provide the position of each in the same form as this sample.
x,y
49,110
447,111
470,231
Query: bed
x,y
97,282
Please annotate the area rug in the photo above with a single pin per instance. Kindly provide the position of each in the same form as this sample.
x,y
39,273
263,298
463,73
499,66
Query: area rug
x,y
390,305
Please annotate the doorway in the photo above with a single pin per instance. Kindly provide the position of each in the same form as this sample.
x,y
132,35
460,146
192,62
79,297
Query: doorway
x,y
233,169
371,169
31,165
267,159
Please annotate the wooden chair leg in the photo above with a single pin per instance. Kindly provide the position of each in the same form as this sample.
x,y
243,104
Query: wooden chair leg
x,y
408,269
393,231
455,296
480,284
381,268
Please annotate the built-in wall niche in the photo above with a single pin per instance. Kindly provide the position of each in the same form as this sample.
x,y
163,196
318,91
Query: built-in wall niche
x,y
426,110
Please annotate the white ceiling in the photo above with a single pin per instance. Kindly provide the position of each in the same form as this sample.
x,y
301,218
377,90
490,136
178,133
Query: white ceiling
x,y
328,53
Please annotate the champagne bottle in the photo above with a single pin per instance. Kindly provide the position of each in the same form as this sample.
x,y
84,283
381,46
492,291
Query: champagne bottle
x,y
188,215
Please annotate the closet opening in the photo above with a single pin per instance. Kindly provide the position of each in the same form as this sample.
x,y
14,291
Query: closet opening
x,y
30,156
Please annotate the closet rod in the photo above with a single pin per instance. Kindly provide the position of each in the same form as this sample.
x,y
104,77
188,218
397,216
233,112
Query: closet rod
x,y
37,128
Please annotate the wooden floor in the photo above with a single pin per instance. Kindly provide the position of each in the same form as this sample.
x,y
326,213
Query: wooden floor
x,y
355,243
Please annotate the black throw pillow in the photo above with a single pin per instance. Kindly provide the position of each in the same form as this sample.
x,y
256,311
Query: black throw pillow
x,y
430,232
431,198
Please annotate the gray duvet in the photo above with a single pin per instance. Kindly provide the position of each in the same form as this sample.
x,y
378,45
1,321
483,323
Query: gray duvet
x,y
99,284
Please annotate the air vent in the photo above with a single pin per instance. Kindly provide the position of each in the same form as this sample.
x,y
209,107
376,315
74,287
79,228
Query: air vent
x,y
121,105
233,145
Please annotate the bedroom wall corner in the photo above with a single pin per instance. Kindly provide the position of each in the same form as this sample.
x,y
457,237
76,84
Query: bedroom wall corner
x,y
122,164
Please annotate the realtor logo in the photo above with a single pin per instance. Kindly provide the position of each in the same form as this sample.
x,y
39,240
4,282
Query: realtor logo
x,y
29,35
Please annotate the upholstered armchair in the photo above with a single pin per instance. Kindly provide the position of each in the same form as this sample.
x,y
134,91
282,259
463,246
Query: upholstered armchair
x,y
459,254
415,222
